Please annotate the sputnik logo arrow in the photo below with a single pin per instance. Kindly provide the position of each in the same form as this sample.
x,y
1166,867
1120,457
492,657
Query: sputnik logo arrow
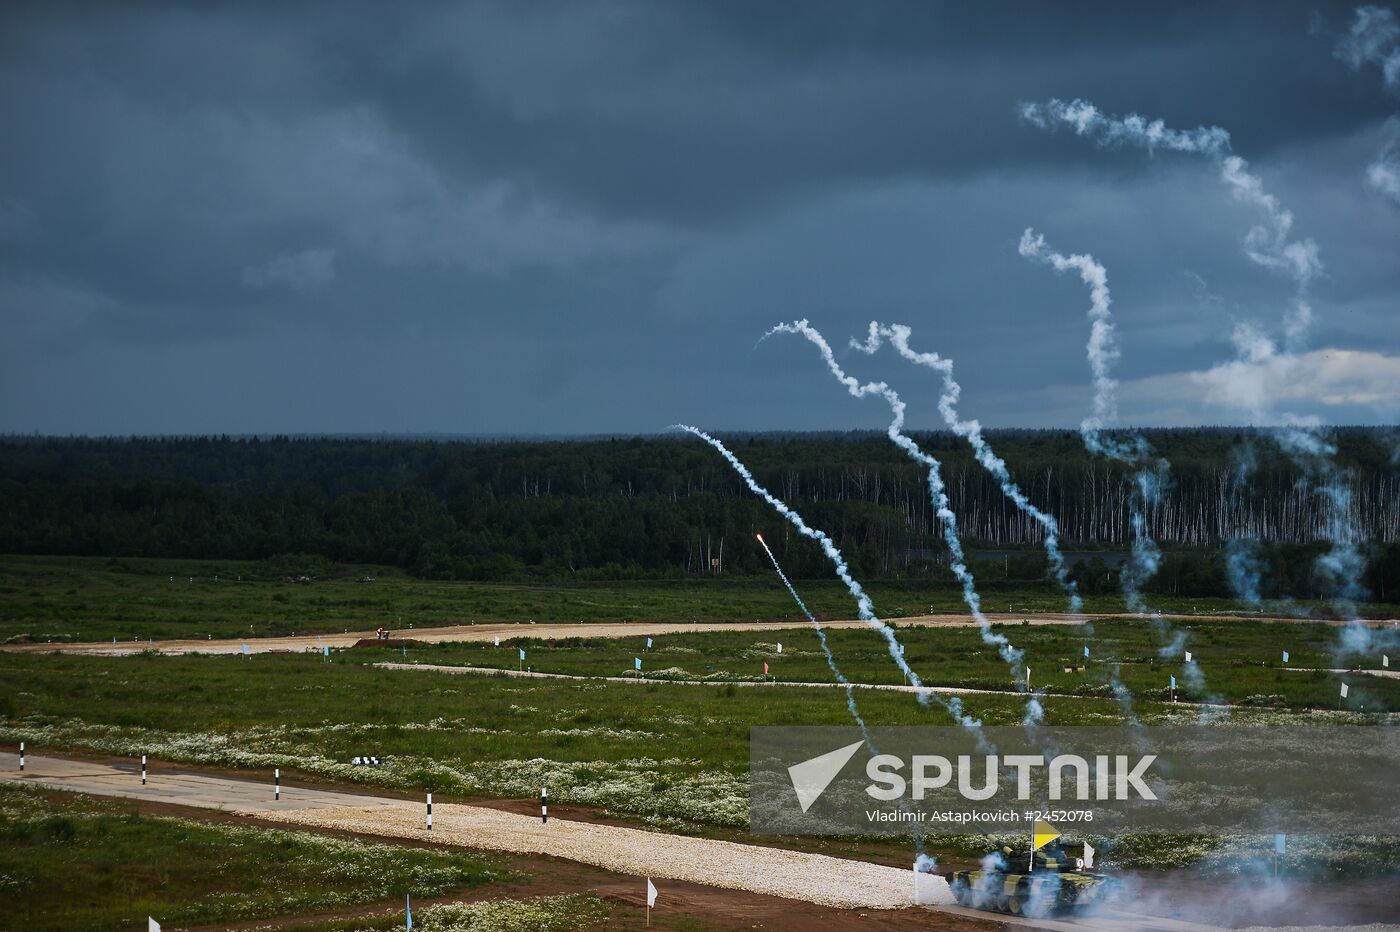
x,y
811,777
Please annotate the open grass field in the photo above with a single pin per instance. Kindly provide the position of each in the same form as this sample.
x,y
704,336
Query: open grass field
x,y
67,599
664,755
69,862
1233,661
672,755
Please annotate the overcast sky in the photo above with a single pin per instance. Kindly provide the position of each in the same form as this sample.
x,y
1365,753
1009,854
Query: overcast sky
x,y
580,217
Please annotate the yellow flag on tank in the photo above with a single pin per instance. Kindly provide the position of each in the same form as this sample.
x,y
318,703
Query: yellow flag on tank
x,y
1044,834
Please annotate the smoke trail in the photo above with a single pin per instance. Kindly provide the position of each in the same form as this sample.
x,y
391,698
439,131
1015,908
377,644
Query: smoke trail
x,y
1374,39
864,608
821,636
916,835
971,431
1268,244
1150,471
937,490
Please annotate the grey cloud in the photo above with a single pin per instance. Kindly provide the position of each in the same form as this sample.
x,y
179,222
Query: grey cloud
x,y
603,205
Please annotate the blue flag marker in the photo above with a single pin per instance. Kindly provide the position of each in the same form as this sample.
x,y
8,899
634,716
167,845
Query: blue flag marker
x,y
637,662
1279,843
326,651
648,643
1173,681
408,908
1285,656
522,653
245,648
1086,650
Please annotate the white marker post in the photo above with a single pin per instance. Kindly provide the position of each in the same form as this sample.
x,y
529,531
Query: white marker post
x,y
430,812
21,756
276,784
143,769
544,805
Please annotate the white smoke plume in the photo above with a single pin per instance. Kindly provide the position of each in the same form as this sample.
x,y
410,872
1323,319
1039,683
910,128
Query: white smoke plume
x,y
949,521
1269,244
1374,39
864,607
1150,472
971,431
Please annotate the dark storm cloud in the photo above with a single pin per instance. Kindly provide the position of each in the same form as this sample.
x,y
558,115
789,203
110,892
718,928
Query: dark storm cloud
x,y
562,216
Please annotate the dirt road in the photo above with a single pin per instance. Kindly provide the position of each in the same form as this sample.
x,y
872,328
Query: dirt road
x,y
555,630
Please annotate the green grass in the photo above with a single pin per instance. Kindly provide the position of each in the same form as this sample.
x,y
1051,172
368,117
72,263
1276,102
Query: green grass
x,y
77,863
1238,661
88,598
665,753
563,913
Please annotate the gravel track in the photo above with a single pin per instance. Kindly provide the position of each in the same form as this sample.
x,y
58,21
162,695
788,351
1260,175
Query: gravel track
x,y
814,878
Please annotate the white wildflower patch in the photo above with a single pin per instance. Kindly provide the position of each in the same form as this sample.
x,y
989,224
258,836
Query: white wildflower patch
x,y
538,914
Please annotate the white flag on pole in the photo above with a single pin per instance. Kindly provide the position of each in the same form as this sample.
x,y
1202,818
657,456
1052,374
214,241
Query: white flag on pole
x,y
1188,656
1385,660
498,641
651,893
1344,690
152,925
780,647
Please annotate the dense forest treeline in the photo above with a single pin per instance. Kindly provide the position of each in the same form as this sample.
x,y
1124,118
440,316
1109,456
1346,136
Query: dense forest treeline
x,y
659,505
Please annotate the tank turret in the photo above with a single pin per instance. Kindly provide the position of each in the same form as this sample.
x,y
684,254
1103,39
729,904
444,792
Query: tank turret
x,y
1031,883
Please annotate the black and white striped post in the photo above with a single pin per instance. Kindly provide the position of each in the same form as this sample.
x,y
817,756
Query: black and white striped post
x,y
544,805
430,812
143,769
21,755
276,783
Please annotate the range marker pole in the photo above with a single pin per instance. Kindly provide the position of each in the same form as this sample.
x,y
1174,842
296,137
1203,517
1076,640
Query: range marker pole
x,y
430,812
544,805
276,783
143,769
21,756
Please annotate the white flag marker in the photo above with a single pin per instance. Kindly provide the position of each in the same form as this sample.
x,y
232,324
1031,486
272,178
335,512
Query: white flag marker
x,y
651,899
1088,856
1345,690
1188,656
780,647
1385,660
152,925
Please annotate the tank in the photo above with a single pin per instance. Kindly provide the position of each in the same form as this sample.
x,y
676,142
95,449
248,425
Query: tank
x,y
1031,883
